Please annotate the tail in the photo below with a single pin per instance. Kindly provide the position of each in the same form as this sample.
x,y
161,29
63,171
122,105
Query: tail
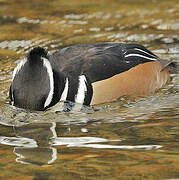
x,y
171,65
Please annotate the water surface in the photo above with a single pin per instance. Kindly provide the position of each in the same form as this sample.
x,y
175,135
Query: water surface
x,y
132,138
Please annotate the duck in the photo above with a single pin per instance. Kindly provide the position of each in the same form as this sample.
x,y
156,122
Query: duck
x,y
86,74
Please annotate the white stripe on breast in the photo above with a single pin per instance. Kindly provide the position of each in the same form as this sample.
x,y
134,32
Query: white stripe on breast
x,y
48,66
15,72
65,91
18,67
82,89
139,55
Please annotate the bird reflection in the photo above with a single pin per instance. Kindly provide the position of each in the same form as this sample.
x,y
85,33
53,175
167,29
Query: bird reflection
x,y
33,143
38,155
36,143
42,134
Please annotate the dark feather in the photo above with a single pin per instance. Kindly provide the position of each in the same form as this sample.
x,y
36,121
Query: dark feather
x,y
97,61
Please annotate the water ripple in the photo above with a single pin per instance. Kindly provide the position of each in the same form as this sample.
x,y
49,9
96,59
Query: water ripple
x,y
105,146
18,141
14,45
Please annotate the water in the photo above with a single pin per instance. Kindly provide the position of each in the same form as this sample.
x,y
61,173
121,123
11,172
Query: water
x,y
132,138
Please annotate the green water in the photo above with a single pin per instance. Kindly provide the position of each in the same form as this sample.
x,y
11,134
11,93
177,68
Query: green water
x,y
132,138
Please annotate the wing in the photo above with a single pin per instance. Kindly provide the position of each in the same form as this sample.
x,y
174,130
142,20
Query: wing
x,y
100,61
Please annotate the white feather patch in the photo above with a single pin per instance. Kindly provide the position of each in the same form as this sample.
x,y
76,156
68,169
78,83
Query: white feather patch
x,y
15,72
18,67
82,89
145,52
65,91
48,66
139,55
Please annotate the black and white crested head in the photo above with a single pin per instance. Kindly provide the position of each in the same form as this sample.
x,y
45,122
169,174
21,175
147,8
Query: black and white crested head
x,y
33,84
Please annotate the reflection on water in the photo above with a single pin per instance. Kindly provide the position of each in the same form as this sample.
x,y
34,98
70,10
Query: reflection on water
x,y
37,156
132,138
35,143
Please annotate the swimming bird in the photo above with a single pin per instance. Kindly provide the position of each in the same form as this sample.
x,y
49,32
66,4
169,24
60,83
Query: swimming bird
x,y
86,74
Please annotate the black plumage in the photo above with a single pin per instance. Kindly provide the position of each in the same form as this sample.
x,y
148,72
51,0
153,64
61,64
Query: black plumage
x,y
97,61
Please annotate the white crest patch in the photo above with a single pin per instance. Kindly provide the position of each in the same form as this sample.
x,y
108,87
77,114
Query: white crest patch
x,y
65,91
48,66
82,89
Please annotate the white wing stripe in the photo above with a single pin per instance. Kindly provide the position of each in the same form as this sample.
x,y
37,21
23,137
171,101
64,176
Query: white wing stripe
x,y
144,52
139,55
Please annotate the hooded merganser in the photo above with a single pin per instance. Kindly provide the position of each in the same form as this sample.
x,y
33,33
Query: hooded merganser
x,y
86,74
